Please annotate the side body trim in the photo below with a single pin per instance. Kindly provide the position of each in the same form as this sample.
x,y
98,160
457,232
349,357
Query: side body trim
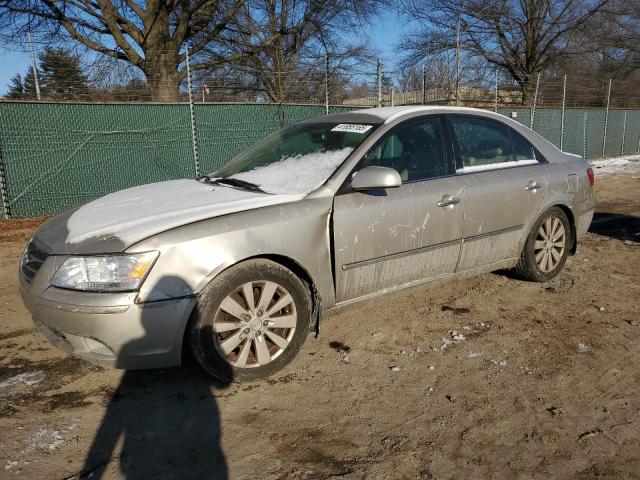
x,y
428,248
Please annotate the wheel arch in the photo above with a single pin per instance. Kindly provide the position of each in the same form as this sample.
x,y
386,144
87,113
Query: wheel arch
x,y
572,224
296,268
304,275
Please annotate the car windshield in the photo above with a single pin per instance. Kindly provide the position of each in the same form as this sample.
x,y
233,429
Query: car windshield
x,y
297,159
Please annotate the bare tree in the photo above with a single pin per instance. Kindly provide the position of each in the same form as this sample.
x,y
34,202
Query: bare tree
x,y
151,35
523,37
615,38
298,35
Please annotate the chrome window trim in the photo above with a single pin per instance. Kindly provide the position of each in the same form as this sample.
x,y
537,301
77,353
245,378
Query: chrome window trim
x,y
489,167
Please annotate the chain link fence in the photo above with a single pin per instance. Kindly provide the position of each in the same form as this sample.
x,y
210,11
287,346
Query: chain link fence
x,y
57,155
67,150
54,156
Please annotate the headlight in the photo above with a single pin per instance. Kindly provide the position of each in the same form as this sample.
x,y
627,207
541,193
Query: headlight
x,y
104,273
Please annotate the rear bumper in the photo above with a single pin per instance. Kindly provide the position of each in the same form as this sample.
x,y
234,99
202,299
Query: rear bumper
x,y
111,330
583,214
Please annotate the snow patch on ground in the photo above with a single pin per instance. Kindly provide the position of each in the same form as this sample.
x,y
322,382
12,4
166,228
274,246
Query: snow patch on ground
x,y
48,439
27,378
297,174
611,166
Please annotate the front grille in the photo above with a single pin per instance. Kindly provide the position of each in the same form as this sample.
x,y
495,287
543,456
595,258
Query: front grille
x,y
34,256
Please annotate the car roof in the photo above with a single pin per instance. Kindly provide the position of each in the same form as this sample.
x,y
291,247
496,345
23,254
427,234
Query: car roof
x,y
388,114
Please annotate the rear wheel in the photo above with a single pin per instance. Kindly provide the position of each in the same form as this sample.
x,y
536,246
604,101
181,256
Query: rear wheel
x,y
251,321
547,247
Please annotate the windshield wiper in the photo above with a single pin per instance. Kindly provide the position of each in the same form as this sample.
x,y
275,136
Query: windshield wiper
x,y
234,182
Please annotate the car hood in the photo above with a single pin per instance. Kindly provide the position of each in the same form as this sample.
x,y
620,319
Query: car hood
x,y
116,221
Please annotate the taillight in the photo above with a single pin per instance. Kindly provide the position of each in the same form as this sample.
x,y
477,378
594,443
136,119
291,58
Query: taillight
x,y
592,178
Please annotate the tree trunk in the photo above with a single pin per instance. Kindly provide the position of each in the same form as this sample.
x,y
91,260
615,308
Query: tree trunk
x,y
161,59
528,89
163,84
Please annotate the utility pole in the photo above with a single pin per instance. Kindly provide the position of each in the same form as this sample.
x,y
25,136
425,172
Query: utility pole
x,y
458,61
33,65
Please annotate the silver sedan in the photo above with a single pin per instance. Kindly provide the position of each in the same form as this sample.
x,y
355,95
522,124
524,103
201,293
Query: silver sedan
x,y
243,264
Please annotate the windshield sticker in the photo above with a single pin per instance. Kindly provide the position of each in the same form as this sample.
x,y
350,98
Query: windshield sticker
x,y
352,128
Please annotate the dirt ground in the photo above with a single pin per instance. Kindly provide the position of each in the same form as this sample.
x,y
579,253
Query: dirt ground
x,y
494,378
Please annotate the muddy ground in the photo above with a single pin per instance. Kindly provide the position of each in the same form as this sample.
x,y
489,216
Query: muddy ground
x,y
545,384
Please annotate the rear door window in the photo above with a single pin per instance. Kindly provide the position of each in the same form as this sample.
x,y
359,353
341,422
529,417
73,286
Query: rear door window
x,y
482,142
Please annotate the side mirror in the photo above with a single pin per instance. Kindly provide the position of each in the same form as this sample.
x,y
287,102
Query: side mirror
x,y
370,178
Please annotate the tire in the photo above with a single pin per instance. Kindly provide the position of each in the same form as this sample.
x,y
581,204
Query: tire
x,y
253,328
531,265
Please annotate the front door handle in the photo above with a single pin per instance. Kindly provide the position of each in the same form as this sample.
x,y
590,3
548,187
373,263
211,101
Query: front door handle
x,y
533,186
447,202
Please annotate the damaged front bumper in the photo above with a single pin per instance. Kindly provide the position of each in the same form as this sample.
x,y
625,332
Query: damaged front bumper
x,y
107,329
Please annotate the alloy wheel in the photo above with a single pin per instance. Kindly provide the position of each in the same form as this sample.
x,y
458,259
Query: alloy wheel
x,y
550,244
255,324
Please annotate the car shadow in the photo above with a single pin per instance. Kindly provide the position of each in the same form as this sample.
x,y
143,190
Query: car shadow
x,y
160,423
616,225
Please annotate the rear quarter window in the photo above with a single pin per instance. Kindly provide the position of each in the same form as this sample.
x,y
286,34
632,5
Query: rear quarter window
x,y
482,142
522,150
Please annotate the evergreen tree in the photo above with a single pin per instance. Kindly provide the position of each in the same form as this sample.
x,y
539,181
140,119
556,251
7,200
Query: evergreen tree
x,y
16,88
61,75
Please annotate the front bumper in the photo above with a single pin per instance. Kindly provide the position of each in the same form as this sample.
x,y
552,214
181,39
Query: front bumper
x,y
108,329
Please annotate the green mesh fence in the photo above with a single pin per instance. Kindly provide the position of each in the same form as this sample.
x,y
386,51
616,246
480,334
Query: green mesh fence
x,y
59,155
584,129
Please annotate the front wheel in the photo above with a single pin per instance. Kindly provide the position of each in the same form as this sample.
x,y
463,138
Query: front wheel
x,y
547,247
251,321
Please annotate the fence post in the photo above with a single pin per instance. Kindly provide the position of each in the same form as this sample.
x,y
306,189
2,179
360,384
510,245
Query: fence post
x,y
4,194
584,136
194,140
379,82
393,100
606,120
624,133
458,101
495,99
535,101
564,98
424,84
326,83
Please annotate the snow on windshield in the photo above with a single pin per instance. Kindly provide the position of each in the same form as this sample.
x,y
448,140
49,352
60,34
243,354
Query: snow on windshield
x,y
296,174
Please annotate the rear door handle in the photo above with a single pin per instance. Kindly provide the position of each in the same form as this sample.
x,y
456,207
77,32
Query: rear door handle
x,y
448,201
533,186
